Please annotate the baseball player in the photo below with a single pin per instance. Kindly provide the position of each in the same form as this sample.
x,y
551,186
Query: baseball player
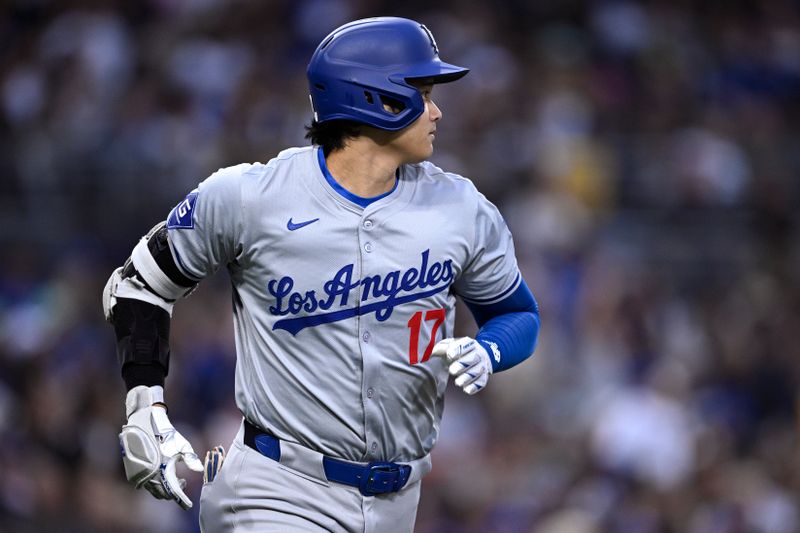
x,y
345,259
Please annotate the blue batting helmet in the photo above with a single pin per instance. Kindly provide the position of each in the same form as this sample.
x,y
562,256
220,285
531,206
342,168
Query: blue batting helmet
x,y
367,63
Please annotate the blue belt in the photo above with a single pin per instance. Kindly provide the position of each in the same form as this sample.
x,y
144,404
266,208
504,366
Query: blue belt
x,y
370,479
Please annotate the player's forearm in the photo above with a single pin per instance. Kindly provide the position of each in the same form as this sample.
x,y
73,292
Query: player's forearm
x,y
509,328
142,331
510,338
138,300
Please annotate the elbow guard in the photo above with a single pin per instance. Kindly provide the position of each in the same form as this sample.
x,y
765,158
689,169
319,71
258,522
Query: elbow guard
x,y
150,274
151,263
138,300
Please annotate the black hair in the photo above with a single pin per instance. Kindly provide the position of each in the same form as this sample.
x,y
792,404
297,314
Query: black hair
x,y
332,134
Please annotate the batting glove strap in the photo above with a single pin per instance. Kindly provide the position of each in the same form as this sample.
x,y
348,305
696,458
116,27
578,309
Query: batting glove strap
x,y
493,350
142,397
469,362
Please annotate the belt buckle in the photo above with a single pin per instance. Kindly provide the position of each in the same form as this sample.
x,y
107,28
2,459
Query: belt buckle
x,y
380,478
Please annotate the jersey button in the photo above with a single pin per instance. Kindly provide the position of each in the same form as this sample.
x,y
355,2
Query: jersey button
x,y
374,446
370,392
366,336
368,247
368,224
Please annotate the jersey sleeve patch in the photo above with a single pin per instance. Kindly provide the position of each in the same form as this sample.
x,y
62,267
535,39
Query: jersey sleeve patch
x,y
182,215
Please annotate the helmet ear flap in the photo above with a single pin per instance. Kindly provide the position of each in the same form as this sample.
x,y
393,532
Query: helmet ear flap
x,y
392,105
389,104
374,105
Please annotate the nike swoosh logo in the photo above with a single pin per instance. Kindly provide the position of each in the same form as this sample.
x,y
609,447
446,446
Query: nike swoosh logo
x,y
291,226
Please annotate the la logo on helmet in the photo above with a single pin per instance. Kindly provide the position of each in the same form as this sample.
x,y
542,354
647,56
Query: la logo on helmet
x,y
430,36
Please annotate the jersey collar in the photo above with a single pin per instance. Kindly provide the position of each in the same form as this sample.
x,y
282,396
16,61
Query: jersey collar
x,y
358,200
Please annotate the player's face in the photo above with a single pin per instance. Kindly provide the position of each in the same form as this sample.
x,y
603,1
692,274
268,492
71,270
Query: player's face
x,y
415,143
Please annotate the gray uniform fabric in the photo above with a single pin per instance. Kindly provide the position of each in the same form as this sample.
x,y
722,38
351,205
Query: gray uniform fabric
x,y
335,305
254,494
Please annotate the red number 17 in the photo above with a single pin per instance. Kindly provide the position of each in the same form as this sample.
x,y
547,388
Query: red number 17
x,y
415,324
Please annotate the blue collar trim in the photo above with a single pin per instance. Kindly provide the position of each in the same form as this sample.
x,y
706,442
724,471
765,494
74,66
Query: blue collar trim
x,y
363,202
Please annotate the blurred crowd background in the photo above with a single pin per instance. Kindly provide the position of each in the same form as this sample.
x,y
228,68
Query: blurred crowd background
x,y
646,156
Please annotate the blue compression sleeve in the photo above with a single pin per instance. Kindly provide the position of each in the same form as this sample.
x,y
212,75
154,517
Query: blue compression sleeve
x,y
511,324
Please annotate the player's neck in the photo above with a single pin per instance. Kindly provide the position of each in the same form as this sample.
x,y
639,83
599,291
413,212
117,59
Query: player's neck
x,y
363,168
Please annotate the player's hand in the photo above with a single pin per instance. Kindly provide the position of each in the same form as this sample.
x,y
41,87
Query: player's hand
x,y
152,447
469,362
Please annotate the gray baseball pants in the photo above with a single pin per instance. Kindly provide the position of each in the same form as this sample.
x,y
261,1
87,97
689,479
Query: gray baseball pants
x,y
253,493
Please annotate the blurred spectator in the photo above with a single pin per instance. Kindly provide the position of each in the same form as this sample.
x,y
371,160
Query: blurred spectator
x,y
646,155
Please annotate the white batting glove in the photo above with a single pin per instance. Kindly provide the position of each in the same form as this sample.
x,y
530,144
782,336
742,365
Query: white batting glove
x,y
152,447
469,362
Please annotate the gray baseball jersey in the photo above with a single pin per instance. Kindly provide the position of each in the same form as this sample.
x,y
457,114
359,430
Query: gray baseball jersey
x,y
337,306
